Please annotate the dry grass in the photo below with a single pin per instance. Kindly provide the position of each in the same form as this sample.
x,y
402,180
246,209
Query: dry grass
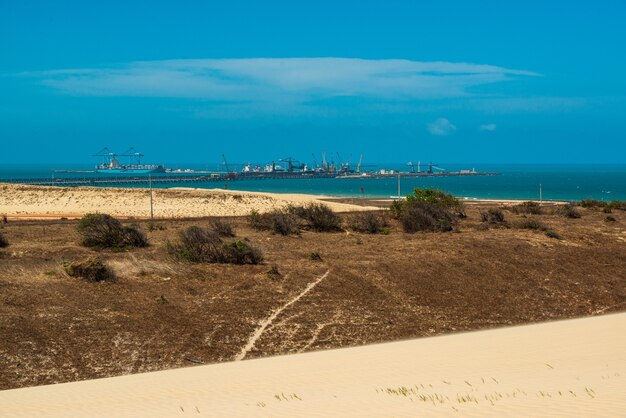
x,y
160,313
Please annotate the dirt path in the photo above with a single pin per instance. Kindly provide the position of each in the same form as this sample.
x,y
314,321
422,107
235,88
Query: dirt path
x,y
268,321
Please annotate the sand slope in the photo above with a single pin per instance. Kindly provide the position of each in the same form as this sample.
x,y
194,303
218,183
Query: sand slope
x,y
25,201
568,368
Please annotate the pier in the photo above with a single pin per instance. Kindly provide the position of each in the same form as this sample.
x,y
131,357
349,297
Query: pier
x,y
145,180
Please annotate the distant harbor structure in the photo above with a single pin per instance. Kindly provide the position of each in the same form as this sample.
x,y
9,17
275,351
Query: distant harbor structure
x,y
111,163
133,172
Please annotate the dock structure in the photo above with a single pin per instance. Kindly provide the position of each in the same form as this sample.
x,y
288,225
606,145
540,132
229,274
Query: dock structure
x,y
144,180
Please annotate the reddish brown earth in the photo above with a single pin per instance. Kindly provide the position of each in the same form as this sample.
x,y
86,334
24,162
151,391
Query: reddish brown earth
x,y
160,313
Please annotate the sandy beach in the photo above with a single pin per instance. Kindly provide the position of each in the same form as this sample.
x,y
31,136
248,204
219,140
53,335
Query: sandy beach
x,y
20,201
560,369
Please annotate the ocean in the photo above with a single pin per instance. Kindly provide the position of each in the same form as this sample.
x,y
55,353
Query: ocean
x,y
516,181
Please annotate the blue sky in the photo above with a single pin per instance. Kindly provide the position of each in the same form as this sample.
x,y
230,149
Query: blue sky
x,y
450,81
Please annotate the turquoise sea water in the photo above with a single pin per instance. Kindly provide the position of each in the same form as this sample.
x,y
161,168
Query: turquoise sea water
x,y
559,182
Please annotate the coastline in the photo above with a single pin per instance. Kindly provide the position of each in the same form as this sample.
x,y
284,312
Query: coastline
x,y
54,202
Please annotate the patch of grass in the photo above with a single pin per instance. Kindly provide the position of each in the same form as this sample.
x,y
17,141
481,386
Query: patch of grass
x,y
202,245
4,242
531,223
527,208
222,228
92,269
492,216
273,272
369,222
568,211
104,231
553,234
314,256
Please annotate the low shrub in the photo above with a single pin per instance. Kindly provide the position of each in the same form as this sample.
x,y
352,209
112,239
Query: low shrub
x,y
492,215
369,222
527,208
3,241
203,245
422,216
318,216
315,256
617,204
607,209
553,234
240,252
568,211
222,228
104,231
279,221
609,218
592,203
530,223
91,269
273,273
428,210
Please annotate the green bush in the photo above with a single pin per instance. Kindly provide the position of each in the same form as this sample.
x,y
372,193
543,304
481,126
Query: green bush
x,y
3,241
492,216
369,222
527,208
202,245
104,231
428,210
91,269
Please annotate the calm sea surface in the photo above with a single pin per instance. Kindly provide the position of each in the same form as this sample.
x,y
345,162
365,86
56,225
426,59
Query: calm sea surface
x,y
566,182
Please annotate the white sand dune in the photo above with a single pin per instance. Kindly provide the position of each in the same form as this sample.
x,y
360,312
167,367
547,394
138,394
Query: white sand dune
x,y
20,201
568,368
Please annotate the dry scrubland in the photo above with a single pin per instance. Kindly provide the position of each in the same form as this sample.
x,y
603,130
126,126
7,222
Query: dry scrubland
x,y
159,312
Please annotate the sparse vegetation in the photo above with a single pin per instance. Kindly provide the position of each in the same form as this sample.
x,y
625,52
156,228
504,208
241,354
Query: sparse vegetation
x,y
279,221
273,272
222,228
315,256
527,208
492,216
91,269
318,216
202,245
3,241
369,222
568,211
428,210
104,231
609,218
531,223
613,204
553,234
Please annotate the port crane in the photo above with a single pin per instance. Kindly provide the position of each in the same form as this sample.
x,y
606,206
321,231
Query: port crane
x,y
430,165
290,161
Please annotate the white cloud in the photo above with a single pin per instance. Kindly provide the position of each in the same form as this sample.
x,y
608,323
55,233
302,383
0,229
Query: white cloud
x,y
490,127
280,80
441,127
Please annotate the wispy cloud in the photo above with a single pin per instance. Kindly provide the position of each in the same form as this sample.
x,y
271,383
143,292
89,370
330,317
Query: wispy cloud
x,y
281,80
489,127
441,127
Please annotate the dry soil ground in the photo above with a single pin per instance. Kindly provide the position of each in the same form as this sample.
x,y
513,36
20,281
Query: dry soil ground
x,y
159,313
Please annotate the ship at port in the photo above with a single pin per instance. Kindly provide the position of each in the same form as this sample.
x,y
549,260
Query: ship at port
x,y
112,163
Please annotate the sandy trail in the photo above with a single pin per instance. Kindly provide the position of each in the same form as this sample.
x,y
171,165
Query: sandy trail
x,y
268,321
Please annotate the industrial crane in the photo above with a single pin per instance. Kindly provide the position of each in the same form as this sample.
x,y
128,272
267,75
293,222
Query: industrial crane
x,y
290,161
